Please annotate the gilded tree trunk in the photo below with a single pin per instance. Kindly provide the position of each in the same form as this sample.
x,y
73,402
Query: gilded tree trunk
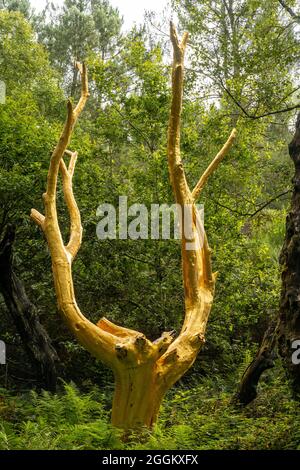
x,y
144,370
137,398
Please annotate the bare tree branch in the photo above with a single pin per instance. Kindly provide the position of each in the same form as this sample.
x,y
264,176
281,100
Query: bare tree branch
x,y
260,116
289,10
250,215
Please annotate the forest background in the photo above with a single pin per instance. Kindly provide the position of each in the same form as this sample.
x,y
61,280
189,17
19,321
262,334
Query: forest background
x,y
242,70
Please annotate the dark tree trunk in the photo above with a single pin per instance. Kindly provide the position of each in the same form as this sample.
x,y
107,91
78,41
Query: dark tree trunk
x,y
289,313
24,314
286,330
263,361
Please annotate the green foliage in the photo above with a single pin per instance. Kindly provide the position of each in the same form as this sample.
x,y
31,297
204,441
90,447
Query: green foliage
x,y
69,421
200,418
243,56
76,29
23,6
121,140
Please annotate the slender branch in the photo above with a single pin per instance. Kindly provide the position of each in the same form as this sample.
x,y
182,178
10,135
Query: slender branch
x,y
134,127
64,140
289,94
213,165
258,116
250,215
264,205
149,263
59,152
289,10
84,89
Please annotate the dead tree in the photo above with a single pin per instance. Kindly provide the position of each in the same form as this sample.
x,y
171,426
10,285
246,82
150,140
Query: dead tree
x,y
143,370
33,335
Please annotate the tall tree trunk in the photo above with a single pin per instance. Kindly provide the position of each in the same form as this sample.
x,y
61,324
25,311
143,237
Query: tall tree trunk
x,y
283,332
24,314
289,313
137,397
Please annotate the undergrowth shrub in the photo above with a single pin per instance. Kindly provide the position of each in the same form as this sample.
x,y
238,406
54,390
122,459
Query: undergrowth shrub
x,y
201,418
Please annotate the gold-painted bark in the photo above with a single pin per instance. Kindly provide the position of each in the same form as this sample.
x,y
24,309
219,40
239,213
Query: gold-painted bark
x,y
144,370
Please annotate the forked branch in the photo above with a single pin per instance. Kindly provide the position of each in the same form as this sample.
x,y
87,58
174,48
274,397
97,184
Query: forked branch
x,y
99,342
75,219
49,222
119,347
199,280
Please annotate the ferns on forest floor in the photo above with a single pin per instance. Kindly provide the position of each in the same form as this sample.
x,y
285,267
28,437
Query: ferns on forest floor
x,y
201,417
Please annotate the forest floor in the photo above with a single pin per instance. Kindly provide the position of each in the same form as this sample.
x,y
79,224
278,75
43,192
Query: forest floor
x,y
200,417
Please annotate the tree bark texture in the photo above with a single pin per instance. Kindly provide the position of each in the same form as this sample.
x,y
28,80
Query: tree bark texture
x,y
25,316
289,311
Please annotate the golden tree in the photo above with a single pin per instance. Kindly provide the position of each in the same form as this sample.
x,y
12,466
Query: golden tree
x,y
144,370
